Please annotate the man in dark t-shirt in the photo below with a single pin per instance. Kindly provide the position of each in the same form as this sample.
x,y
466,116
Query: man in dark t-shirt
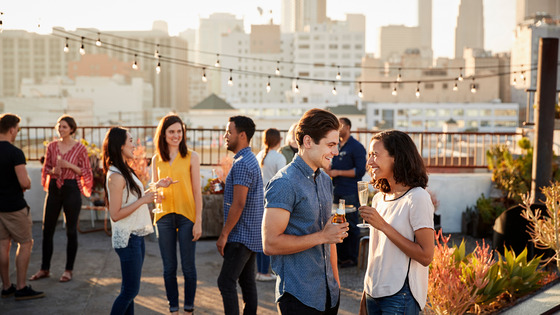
x,y
15,217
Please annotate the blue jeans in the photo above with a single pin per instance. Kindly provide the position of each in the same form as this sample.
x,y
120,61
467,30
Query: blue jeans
x,y
132,258
263,263
401,302
239,264
173,227
348,249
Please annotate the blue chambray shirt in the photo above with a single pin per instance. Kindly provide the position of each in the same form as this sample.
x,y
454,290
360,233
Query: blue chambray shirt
x,y
245,171
308,274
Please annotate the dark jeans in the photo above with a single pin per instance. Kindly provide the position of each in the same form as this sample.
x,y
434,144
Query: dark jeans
x,y
290,305
263,263
69,198
132,259
401,302
173,227
239,264
348,249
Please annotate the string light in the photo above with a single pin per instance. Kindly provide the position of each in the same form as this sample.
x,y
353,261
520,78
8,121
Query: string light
x,y
473,86
217,64
135,63
394,93
455,87
334,92
296,88
204,79
268,85
158,67
1,26
418,89
277,71
460,77
360,92
399,76
230,81
82,48
98,41
338,76
66,48
156,53
514,80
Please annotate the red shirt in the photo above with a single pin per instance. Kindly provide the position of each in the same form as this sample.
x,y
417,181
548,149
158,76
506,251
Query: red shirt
x,y
78,156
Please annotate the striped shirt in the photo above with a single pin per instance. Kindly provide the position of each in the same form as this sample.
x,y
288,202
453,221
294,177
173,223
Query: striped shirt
x,y
78,156
245,171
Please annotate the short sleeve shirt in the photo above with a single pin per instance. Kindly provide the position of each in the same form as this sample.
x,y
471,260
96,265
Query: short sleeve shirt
x,y
11,194
387,264
307,195
245,171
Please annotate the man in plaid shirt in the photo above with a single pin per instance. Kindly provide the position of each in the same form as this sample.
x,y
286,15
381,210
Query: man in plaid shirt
x,y
240,239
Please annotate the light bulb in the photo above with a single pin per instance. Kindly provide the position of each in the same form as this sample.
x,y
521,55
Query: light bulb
x,y
204,79
394,93
473,88
158,67
230,81
514,81
268,87
98,42
135,63
460,77
455,87
296,88
399,76
360,94
277,71
156,53
334,92
338,76
66,48
418,90
217,64
82,49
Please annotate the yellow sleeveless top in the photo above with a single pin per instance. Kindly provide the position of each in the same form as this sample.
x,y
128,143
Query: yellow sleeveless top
x,y
178,198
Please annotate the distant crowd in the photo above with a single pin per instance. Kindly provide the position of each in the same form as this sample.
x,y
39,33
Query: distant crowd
x,y
278,213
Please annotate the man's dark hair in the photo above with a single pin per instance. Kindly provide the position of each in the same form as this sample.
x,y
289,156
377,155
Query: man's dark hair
x,y
316,123
244,124
409,168
346,121
8,121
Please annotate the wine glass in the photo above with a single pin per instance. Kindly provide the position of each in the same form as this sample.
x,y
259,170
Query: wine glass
x,y
159,192
363,192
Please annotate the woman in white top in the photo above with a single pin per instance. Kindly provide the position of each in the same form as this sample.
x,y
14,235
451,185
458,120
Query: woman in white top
x,y
401,243
130,216
270,161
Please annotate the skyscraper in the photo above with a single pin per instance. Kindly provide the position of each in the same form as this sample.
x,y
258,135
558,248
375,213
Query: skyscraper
x,y
425,22
527,8
470,26
297,14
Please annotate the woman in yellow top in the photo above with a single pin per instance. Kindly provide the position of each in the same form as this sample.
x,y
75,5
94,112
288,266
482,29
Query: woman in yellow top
x,y
181,218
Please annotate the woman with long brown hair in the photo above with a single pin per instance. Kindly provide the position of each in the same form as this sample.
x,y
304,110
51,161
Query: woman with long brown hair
x,y
181,219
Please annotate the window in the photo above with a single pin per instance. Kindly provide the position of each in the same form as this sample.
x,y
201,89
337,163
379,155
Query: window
x,y
385,85
402,112
333,46
443,112
505,112
429,86
472,113
444,86
303,46
458,112
415,112
430,112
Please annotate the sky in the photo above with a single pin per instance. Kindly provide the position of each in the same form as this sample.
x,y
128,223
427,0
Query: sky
x,y
40,16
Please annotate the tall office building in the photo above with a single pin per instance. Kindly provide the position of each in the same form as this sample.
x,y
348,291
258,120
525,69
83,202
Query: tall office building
x,y
394,40
297,14
529,8
469,32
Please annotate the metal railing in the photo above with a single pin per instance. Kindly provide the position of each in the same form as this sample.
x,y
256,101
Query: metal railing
x,y
440,150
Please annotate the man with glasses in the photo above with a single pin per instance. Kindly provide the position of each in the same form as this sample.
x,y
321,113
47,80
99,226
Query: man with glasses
x,y
15,217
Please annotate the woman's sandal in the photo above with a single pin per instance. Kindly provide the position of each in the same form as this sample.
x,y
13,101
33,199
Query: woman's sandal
x,y
39,275
66,276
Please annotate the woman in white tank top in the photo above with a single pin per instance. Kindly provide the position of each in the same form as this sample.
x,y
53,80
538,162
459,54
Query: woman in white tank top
x,y
130,216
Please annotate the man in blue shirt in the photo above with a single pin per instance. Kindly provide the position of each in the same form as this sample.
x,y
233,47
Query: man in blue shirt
x,y
297,227
240,239
346,171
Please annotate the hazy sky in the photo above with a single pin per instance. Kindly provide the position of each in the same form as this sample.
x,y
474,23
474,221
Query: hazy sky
x,y
183,14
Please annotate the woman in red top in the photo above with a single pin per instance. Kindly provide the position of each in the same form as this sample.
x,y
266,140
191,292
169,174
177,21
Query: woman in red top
x,y
66,173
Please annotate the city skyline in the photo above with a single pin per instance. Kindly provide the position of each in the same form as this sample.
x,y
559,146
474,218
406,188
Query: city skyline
x,y
499,21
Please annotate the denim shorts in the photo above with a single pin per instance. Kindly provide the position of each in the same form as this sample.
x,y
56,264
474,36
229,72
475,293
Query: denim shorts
x,y
401,302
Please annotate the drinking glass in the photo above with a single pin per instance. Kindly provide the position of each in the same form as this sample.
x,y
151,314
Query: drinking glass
x,y
363,193
159,192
